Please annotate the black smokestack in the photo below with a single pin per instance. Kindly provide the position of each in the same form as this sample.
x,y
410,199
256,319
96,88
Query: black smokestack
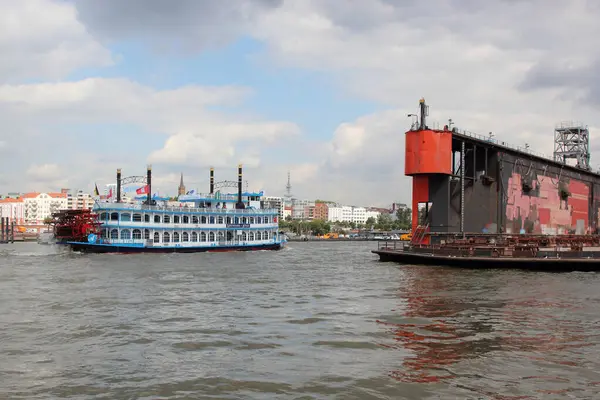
x,y
240,204
212,180
119,185
149,182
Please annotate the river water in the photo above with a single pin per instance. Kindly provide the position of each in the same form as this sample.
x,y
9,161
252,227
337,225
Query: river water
x,y
313,321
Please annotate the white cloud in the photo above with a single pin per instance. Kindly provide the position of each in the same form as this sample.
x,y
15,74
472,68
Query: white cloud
x,y
190,134
475,62
514,67
45,172
43,39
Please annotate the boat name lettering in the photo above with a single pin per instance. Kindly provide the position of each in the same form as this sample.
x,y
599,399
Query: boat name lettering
x,y
237,225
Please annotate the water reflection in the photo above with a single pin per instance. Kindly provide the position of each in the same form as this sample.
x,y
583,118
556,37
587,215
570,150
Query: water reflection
x,y
457,325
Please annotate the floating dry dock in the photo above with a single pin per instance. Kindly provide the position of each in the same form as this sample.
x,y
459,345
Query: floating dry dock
x,y
479,202
535,252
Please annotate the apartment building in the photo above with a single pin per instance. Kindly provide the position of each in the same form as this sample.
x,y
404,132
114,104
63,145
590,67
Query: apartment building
x,y
79,201
39,206
13,208
275,202
302,209
358,215
320,211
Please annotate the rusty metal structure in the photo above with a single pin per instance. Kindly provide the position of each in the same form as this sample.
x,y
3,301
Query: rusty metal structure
x,y
477,200
473,184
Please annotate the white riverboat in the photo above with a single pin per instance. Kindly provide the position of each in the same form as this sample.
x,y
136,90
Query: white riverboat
x,y
201,222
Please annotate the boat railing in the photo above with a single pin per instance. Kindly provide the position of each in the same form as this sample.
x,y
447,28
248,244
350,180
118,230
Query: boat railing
x,y
395,245
144,207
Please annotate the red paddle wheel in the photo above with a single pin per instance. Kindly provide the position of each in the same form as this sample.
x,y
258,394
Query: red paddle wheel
x,y
75,225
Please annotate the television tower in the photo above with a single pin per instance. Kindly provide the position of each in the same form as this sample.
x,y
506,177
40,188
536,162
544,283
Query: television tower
x,y
288,190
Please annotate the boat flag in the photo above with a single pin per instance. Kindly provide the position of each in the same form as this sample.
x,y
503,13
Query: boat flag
x,y
96,191
109,194
142,190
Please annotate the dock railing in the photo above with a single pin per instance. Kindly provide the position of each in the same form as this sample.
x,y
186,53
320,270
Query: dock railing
x,y
507,145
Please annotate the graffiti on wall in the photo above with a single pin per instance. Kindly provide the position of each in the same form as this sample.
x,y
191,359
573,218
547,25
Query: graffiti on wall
x,y
542,210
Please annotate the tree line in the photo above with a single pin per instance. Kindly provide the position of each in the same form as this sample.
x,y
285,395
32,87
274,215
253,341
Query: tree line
x,y
384,222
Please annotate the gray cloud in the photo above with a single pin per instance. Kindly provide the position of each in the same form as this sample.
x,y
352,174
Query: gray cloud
x,y
191,24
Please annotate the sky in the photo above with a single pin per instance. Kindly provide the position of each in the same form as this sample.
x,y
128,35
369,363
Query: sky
x,y
320,88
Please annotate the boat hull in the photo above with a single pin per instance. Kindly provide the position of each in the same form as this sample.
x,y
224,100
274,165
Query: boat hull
x,y
569,264
107,248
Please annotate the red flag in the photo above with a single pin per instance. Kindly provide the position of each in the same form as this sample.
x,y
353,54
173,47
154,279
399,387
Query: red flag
x,y
109,194
142,190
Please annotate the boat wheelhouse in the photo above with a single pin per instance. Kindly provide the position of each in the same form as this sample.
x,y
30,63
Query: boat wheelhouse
x,y
199,222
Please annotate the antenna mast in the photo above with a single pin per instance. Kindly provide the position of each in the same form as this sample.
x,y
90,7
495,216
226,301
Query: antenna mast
x,y
288,189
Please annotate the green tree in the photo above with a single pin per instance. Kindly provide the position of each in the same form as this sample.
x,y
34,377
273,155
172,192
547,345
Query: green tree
x,y
384,222
404,218
370,222
319,227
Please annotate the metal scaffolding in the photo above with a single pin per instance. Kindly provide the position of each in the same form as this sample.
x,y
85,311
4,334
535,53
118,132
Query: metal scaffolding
x,y
572,140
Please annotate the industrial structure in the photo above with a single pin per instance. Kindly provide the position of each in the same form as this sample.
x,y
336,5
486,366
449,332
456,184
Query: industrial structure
x,y
482,199
505,189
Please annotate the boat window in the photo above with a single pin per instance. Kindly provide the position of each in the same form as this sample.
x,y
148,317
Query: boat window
x,y
104,216
220,236
114,216
166,237
265,220
251,220
195,237
125,234
212,220
176,219
195,220
258,235
146,234
237,220
220,220
186,219
227,220
146,218
244,236
137,234
211,236
137,217
156,237
251,236
167,219
114,234
104,233
126,217
265,235
258,220
176,237
157,219
229,236
185,237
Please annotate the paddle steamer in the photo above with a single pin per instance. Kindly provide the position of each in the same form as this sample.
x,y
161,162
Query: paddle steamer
x,y
199,223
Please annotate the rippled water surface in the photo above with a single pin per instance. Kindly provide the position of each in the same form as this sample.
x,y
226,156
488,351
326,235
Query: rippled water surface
x,y
313,321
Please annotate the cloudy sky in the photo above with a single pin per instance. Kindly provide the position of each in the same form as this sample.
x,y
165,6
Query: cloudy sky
x,y
318,87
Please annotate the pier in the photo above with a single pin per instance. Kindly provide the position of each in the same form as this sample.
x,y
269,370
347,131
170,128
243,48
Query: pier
x,y
7,230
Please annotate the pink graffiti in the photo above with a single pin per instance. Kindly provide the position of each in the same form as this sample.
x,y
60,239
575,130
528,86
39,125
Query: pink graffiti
x,y
548,212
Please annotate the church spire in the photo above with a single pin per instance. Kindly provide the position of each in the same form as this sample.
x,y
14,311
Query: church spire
x,y
181,189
